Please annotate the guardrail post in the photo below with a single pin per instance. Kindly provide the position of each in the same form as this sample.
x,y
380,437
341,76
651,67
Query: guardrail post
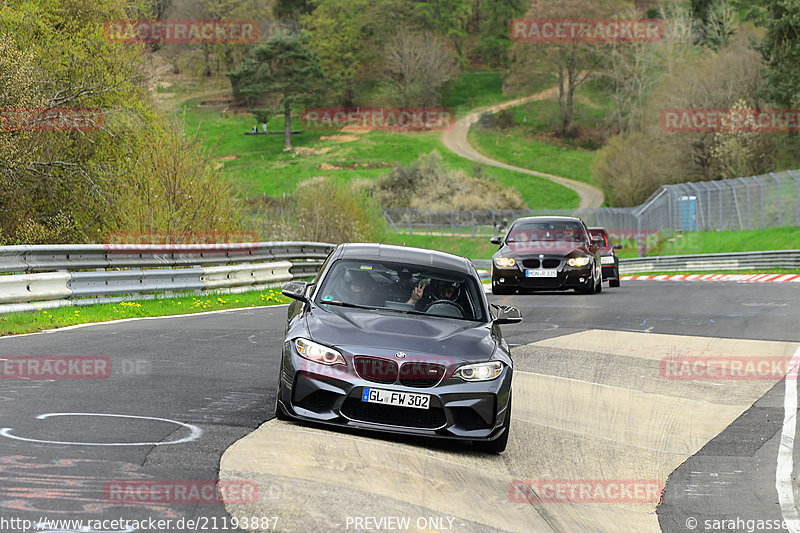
x,y
472,215
796,198
780,203
761,188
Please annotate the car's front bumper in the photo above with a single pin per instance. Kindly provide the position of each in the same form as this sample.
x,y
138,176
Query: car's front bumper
x,y
567,278
458,409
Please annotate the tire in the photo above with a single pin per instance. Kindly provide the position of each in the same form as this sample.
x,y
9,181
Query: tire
x,y
614,282
499,444
599,284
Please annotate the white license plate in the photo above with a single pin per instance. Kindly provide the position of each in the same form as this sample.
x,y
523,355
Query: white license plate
x,y
541,273
400,399
607,260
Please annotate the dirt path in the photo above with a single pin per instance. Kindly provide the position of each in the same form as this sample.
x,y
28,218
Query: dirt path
x,y
455,139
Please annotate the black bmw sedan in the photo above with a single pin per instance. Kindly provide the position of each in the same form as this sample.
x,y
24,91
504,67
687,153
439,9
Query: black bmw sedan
x,y
547,253
400,340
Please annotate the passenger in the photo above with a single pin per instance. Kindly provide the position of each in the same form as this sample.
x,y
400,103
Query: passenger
x,y
360,289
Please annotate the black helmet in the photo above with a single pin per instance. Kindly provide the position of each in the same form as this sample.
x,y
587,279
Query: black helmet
x,y
437,285
360,277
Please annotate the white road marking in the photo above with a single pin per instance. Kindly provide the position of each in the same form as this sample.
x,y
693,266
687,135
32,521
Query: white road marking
x,y
783,471
194,434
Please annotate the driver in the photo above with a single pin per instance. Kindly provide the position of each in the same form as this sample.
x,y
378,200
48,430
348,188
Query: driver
x,y
440,290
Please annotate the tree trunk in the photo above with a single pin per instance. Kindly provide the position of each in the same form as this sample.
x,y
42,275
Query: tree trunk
x,y
287,132
561,94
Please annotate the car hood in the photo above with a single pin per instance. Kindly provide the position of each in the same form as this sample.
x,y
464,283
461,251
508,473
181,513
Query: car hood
x,y
520,249
377,332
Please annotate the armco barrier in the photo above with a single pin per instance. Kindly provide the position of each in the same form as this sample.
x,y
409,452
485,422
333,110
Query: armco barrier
x,y
87,274
713,262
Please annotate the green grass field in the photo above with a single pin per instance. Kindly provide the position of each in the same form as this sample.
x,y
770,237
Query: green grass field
x,y
530,144
520,150
257,164
16,323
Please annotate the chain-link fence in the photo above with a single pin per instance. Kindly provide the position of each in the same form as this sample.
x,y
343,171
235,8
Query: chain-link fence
x,y
756,202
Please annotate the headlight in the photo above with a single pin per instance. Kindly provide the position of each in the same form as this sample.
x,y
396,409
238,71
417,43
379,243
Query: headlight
x,y
578,261
318,353
480,371
607,260
504,262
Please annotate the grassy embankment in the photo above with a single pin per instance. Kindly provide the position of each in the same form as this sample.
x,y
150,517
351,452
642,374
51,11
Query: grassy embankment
x,y
15,323
258,165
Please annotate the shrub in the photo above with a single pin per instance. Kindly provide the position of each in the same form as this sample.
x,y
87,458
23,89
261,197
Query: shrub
x,y
323,210
429,184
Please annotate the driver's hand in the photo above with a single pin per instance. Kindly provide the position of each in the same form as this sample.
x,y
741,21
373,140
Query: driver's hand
x,y
416,293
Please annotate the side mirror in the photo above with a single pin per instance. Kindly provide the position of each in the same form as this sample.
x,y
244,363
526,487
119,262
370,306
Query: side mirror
x,y
296,290
496,240
618,247
507,315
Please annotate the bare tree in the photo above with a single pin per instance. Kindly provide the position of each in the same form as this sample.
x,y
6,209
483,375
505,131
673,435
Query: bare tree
x,y
419,64
573,62
634,68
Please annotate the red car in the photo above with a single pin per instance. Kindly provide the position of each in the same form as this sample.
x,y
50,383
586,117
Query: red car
x,y
608,257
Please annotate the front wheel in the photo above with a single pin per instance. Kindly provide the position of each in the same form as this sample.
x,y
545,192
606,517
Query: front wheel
x,y
614,282
499,444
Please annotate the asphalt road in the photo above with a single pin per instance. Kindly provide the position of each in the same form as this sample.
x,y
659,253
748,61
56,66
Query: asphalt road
x,y
182,390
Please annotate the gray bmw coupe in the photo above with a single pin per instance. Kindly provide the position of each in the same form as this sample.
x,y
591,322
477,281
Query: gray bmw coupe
x,y
399,340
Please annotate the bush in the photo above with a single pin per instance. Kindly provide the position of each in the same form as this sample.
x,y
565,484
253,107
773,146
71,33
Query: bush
x,y
505,119
429,184
323,210
167,183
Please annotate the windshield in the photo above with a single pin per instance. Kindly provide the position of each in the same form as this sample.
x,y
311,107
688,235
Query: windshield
x,y
599,233
405,288
546,231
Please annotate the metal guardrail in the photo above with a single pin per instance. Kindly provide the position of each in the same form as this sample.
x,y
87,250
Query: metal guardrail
x,y
49,276
708,262
699,262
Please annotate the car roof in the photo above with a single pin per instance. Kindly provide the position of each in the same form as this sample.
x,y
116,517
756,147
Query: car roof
x,y
548,219
597,228
404,254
